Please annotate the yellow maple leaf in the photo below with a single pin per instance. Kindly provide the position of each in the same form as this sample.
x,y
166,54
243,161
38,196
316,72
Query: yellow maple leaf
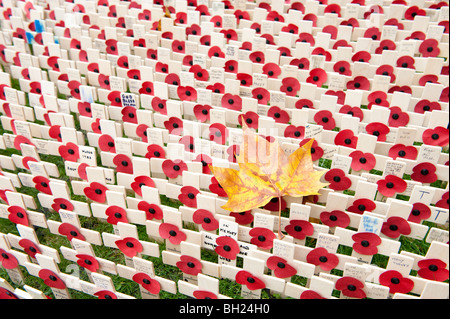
x,y
266,172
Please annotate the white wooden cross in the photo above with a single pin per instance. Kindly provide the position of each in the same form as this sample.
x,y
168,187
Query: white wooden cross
x,y
144,274
11,259
102,287
207,288
128,235
372,224
252,274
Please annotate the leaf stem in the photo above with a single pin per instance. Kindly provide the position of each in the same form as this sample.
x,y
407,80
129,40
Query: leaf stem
x,y
280,235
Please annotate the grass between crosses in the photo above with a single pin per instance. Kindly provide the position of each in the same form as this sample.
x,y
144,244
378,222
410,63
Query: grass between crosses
x,y
129,287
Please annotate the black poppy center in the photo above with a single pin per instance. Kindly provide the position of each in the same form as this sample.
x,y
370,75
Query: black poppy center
x,y
390,185
172,233
261,238
365,243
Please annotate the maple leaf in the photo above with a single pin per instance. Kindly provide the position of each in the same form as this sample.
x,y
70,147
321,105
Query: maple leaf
x,y
265,172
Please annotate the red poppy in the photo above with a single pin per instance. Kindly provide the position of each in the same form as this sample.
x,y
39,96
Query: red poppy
x,y
159,105
232,102
188,196
152,211
445,24
178,46
438,136
69,152
243,218
377,98
279,115
322,51
280,268
350,287
206,161
88,262
262,95
304,103
337,179
317,76
385,45
111,47
432,269
429,48
424,172
306,37
140,181
203,9
156,151
51,279
397,117
425,105
257,57
302,64
311,17
171,232
216,188
81,171
35,87
290,86
229,34
167,35
70,231
262,237
330,29
428,78
162,68
316,150
322,258
187,93
206,219
105,294
274,205
114,98
218,133
188,142
217,20
145,15
285,51
297,6
395,226
378,129
374,33
18,215
386,70
106,143
353,111
203,294
414,11
362,161
96,192
173,169
290,28
29,247
7,260
55,132
346,138
53,63
84,109
252,282
174,125
200,74
335,218
340,95
366,243
129,114
310,294
403,151
141,131
293,131
391,185
62,203
231,66
189,265
151,285
342,67
218,88
272,70
395,22
227,247
361,56
245,79
42,184
396,282
325,119
129,246
299,229
419,212
359,82
123,164
194,29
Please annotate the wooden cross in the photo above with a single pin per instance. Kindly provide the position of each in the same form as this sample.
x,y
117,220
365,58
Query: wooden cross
x,y
207,287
